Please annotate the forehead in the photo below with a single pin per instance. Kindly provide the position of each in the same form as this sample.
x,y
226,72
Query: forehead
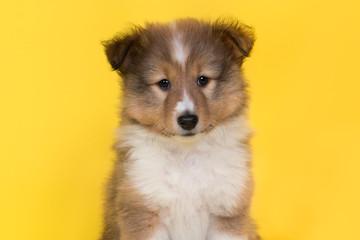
x,y
186,45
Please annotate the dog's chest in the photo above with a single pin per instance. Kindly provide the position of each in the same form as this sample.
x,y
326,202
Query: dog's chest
x,y
187,187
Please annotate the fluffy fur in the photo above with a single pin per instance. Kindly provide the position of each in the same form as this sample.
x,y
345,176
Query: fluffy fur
x,y
172,182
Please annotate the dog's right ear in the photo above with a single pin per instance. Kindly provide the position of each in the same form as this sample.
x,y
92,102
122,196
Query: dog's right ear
x,y
238,37
120,50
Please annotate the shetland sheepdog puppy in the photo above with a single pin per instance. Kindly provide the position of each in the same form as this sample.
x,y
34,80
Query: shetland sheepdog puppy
x,y
183,170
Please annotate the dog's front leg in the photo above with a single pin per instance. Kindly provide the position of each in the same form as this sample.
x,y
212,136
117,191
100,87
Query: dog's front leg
x,y
232,228
223,236
160,234
139,223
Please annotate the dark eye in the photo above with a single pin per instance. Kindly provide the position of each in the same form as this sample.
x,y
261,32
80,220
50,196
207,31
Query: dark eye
x,y
164,84
202,81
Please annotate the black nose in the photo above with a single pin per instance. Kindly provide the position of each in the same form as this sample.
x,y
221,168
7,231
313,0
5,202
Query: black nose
x,y
187,122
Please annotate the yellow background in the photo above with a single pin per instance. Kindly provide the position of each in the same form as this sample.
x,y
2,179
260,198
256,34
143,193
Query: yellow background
x,y
59,102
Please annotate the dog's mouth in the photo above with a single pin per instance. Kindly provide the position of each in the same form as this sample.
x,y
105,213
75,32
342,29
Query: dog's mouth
x,y
189,135
186,135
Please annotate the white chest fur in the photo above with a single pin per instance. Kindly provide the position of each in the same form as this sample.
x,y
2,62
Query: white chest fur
x,y
187,182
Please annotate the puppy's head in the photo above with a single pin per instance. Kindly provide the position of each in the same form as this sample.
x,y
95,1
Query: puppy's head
x,y
182,78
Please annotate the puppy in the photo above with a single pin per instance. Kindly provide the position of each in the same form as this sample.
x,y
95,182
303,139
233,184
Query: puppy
x,y
183,170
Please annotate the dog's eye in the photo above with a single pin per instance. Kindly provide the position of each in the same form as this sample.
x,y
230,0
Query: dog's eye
x,y
164,84
202,81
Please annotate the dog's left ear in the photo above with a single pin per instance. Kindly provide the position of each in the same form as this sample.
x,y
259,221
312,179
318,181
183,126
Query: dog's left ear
x,y
121,50
238,37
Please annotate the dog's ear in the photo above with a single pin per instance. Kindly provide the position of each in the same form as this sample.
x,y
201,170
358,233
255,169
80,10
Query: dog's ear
x,y
121,49
238,37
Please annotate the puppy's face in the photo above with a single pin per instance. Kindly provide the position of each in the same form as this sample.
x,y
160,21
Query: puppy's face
x,y
182,78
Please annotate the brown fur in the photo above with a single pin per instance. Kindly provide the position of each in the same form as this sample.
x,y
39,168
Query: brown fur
x,y
142,58
124,208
